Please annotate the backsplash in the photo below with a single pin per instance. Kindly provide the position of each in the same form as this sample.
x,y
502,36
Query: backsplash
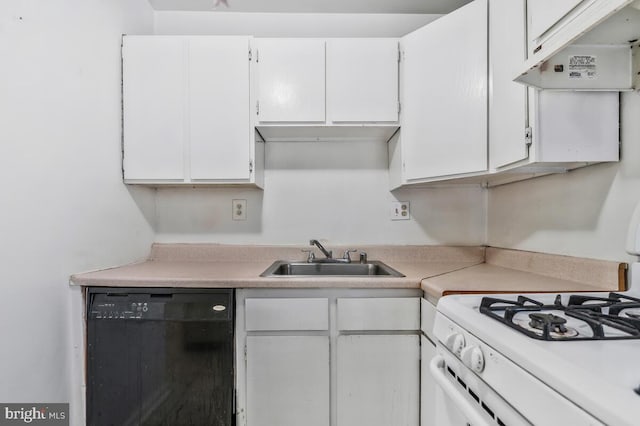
x,y
335,191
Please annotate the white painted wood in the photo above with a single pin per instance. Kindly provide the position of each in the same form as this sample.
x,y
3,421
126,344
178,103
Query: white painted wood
x,y
384,313
287,314
220,125
287,381
362,80
187,106
444,118
428,387
291,80
507,99
378,380
598,20
427,317
577,126
153,97
396,170
543,14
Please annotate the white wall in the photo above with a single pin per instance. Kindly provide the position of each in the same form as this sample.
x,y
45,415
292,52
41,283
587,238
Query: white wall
x,y
64,207
289,24
583,213
337,191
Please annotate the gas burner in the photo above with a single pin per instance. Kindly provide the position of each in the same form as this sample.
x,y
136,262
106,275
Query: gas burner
x,y
613,317
554,322
546,324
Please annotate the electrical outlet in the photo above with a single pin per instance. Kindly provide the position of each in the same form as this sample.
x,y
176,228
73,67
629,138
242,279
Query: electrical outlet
x,y
400,210
239,209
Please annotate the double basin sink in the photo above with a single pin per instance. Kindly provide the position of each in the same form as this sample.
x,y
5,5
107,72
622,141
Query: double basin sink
x,y
285,268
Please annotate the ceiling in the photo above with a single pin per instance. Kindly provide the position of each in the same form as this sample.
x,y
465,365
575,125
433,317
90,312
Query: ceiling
x,y
312,6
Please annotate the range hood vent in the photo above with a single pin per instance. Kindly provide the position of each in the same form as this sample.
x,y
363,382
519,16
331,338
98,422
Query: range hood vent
x,y
594,47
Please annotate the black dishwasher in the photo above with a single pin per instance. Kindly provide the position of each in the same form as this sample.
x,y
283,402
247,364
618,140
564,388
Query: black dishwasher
x,y
160,357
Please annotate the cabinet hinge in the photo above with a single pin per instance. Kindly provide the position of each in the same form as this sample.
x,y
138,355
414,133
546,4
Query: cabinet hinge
x,y
528,136
250,166
257,55
257,107
399,107
250,55
399,54
245,353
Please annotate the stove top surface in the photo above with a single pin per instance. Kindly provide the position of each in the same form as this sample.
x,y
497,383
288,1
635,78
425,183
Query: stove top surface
x,y
581,317
601,374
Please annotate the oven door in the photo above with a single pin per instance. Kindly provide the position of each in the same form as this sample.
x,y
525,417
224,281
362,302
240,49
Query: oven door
x,y
466,400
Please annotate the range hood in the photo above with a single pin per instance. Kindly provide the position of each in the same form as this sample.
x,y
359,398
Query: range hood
x,y
595,46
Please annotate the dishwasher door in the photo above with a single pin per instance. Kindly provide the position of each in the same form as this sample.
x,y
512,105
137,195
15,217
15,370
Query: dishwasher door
x,y
160,357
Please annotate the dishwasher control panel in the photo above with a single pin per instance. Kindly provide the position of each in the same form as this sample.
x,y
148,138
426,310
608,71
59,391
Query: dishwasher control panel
x,y
126,310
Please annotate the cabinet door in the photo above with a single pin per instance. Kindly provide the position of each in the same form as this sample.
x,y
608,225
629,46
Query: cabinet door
x,y
291,80
288,381
543,14
362,80
508,99
378,380
153,98
219,109
444,89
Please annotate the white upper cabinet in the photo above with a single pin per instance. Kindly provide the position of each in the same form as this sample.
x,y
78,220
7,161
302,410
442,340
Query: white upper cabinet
x,y
543,14
308,87
219,117
444,96
187,115
153,98
291,80
508,119
540,131
362,80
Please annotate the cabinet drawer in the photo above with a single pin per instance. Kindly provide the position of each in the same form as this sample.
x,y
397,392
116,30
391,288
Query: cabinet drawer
x,y
287,314
398,313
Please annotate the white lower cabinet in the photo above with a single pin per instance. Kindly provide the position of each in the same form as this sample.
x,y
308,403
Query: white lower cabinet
x,y
328,357
288,379
428,388
378,380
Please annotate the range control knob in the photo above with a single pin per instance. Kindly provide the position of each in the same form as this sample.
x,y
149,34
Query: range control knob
x,y
455,342
473,358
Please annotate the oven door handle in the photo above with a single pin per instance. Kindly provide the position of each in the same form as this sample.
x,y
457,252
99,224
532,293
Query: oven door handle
x,y
470,411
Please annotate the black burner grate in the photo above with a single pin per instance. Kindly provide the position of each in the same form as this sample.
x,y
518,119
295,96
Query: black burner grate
x,y
597,312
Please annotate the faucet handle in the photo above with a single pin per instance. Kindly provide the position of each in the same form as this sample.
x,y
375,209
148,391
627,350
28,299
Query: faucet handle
x,y
310,255
363,257
346,255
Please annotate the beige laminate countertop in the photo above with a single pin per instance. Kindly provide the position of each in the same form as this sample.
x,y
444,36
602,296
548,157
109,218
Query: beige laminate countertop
x,y
438,270
513,271
211,266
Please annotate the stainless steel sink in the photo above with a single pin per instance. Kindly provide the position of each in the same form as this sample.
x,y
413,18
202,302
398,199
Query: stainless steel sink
x,y
282,268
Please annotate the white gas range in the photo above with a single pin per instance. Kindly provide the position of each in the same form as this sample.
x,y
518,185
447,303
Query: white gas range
x,y
541,359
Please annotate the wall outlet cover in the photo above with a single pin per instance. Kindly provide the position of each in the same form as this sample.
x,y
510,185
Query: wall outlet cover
x,y
400,210
239,209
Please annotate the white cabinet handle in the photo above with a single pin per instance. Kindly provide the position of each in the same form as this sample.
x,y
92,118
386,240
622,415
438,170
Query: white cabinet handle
x,y
469,410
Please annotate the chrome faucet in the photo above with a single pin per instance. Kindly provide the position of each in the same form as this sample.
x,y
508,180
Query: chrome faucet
x,y
346,258
328,254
